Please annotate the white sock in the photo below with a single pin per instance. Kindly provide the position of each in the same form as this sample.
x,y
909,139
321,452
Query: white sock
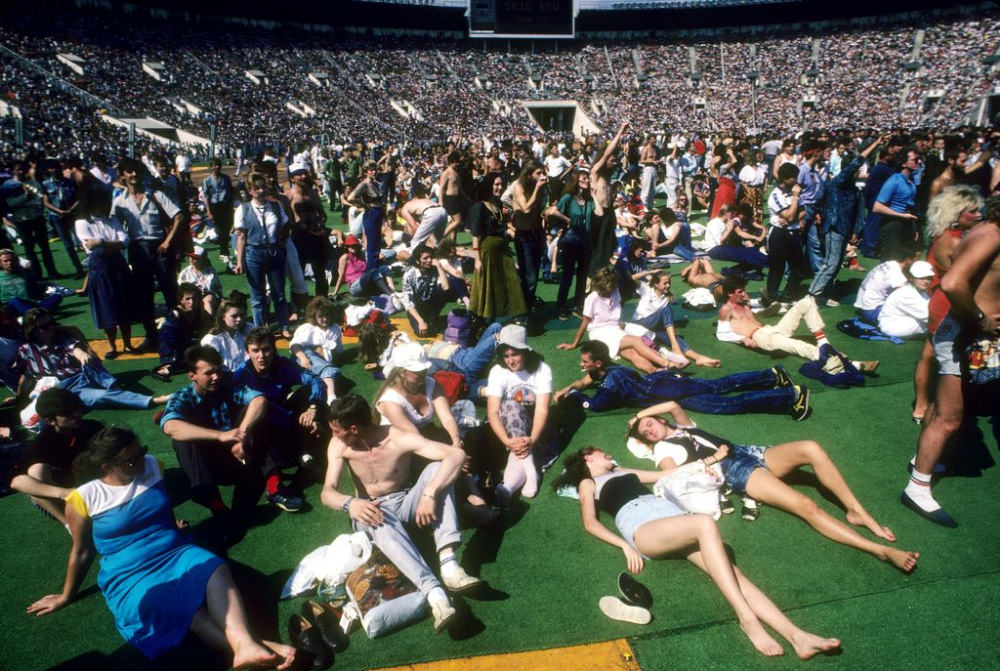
x,y
919,491
530,488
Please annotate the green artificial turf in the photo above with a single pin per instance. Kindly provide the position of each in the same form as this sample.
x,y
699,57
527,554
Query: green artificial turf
x,y
547,574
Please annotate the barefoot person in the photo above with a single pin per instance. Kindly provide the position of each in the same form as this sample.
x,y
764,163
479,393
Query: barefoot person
x,y
654,528
157,586
758,471
378,459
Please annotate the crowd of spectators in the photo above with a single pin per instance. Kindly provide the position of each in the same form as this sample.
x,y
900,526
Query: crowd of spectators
x,y
404,87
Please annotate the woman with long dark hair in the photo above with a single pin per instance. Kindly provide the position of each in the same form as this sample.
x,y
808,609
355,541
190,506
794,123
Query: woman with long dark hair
x,y
496,289
575,210
531,197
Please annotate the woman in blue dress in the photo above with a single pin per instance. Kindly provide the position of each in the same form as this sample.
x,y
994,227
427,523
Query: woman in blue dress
x,y
158,586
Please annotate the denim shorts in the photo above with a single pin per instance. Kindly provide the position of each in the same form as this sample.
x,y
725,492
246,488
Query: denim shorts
x,y
647,508
944,347
742,461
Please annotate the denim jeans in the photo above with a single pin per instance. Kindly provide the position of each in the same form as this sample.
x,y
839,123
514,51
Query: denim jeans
x,y
814,245
97,388
371,224
744,256
530,248
657,322
367,283
836,245
321,368
393,535
265,267
64,229
574,254
714,397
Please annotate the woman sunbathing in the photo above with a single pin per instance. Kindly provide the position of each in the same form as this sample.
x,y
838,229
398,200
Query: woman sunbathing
x,y
655,528
758,471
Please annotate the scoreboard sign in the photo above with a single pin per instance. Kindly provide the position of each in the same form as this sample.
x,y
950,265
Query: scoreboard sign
x,y
537,19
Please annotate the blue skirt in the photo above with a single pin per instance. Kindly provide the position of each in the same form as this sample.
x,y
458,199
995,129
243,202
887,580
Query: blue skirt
x,y
108,282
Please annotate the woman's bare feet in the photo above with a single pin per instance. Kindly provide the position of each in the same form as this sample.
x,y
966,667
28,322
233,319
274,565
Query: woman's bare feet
x,y
285,652
254,655
904,560
762,640
806,645
708,362
861,518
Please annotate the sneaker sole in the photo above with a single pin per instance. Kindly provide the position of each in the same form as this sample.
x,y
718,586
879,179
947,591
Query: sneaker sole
x,y
617,609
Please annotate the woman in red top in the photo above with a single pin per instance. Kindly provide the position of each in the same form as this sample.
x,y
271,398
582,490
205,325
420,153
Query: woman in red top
x,y
952,212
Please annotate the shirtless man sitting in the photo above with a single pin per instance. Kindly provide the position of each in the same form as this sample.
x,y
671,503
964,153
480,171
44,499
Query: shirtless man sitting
x,y
737,323
378,459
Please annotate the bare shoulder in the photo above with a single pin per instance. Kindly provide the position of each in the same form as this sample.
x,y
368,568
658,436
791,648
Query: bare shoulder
x,y
725,312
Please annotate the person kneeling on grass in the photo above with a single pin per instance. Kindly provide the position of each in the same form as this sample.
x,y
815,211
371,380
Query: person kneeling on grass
x,y
378,458
158,586
617,386
738,324
45,471
757,471
654,528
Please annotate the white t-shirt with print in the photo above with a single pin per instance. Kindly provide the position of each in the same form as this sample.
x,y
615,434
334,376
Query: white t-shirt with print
x,y
520,386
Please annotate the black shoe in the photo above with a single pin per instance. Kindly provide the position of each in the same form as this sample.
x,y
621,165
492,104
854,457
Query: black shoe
x,y
564,315
321,616
726,506
634,592
306,637
287,502
782,378
750,511
162,377
801,409
938,516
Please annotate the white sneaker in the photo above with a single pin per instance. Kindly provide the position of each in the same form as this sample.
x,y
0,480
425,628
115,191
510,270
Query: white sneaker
x,y
617,609
443,613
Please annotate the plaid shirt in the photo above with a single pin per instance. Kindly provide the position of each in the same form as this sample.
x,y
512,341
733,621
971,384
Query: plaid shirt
x,y
37,361
221,411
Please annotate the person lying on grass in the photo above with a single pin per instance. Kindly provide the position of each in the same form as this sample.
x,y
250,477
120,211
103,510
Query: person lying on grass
x,y
769,390
653,528
757,471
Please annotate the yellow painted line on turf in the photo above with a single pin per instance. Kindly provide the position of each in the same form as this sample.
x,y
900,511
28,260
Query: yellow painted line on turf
x,y
607,656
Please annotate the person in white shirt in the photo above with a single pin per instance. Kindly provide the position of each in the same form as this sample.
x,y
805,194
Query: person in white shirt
x,y
905,312
316,343
518,392
881,281
228,336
